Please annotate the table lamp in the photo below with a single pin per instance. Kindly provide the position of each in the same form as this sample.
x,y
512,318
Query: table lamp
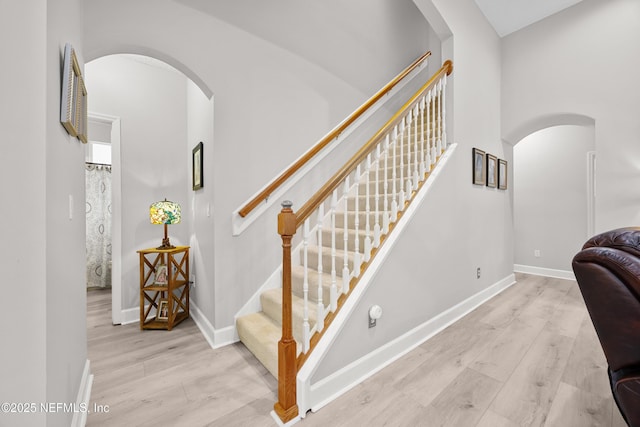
x,y
165,212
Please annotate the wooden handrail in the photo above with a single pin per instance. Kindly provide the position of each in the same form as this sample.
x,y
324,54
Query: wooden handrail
x,y
312,204
246,209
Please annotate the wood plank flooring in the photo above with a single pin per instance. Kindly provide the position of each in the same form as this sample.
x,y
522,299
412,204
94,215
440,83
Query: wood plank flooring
x,y
528,357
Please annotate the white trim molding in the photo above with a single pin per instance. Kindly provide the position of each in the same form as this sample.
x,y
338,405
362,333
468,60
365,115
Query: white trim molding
x,y
84,396
541,271
215,338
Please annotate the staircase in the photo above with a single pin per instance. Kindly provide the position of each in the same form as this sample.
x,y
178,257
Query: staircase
x,y
364,228
337,234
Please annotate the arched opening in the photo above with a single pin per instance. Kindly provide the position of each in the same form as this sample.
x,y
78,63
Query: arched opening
x,y
157,114
553,192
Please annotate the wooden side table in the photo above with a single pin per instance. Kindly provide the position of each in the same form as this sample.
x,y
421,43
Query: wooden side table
x,y
164,286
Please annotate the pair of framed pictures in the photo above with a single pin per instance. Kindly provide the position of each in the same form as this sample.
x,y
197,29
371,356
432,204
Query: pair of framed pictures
x,y
489,170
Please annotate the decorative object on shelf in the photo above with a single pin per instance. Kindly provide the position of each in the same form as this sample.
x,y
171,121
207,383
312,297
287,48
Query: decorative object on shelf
x,y
163,310
161,277
479,174
73,102
165,212
492,171
197,162
502,174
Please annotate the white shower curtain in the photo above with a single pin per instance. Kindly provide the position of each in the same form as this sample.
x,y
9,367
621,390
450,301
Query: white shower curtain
x,y
98,188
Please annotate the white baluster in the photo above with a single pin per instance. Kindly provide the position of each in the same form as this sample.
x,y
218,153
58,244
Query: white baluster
x,y
424,154
444,113
376,227
431,125
439,117
394,193
306,335
416,175
385,218
409,184
320,320
346,276
401,195
333,290
367,233
357,260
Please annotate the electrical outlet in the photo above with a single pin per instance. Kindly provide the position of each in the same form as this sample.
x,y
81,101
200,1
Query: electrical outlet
x,y
478,273
536,253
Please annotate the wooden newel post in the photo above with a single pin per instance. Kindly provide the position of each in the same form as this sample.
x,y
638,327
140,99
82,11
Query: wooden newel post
x,y
286,407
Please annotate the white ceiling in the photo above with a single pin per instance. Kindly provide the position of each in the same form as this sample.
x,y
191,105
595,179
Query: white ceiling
x,y
508,16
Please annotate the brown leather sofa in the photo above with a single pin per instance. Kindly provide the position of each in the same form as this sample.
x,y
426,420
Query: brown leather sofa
x,y
608,272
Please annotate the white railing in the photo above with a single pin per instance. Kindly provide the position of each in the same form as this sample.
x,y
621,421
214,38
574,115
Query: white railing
x,y
364,199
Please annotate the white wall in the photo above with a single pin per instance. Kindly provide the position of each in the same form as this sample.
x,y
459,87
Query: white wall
x,y
202,231
44,341
152,105
270,106
66,281
584,61
460,226
335,35
23,363
550,195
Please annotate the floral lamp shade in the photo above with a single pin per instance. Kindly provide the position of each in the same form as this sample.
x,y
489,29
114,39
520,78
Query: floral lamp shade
x,y
165,212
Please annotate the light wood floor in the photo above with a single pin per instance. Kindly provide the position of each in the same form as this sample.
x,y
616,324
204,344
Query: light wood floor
x,y
528,357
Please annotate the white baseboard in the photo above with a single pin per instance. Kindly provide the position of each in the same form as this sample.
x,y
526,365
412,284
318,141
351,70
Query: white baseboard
x,y
540,271
84,396
215,338
130,315
338,383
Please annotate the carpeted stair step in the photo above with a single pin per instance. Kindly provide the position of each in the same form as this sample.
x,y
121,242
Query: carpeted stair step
x,y
260,334
297,283
362,216
351,234
271,301
326,259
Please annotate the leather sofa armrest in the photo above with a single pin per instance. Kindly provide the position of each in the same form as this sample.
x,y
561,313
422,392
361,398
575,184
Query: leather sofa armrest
x,y
609,280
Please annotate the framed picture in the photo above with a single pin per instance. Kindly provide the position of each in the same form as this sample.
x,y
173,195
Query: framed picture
x,y
82,111
479,174
69,116
162,276
163,310
197,180
492,171
502,174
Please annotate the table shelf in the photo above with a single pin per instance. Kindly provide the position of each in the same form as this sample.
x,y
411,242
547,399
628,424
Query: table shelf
x,y
164,281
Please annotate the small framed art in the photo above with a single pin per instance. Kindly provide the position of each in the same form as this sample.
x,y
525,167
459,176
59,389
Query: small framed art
x,y
163,310
502,174
478,167
162,275
492,171
69,114
197,163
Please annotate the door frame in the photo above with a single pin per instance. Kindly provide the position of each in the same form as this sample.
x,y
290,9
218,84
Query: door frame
x,y
116,214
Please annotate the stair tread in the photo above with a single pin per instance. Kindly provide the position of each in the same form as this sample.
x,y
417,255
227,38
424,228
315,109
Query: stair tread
x,y
297,303
260,334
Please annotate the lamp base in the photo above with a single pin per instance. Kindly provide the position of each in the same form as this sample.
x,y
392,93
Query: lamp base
x,y
166,244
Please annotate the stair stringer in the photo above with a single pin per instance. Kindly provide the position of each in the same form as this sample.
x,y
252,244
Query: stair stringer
x,y
306,398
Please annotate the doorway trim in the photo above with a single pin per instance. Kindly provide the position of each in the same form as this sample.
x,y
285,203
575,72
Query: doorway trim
x,y
116,215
